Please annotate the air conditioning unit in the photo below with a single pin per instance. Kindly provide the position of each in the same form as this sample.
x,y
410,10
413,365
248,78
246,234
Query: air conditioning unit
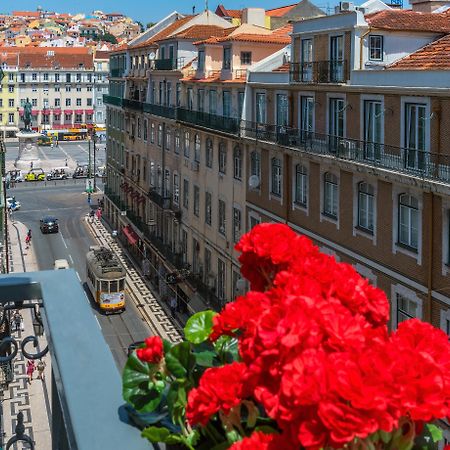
x,y
346,6
195,166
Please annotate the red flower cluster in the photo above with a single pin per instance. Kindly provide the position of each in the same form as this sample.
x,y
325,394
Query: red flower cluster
x,y
153,350
316,352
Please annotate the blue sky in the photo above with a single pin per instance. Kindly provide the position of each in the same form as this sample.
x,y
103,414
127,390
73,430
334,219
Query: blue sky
x,y
143,10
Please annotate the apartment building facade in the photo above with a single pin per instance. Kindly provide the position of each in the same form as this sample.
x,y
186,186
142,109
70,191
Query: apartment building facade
x,y
9,97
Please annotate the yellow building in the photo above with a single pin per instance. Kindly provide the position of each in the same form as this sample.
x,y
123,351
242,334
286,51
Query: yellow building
x,y
9,101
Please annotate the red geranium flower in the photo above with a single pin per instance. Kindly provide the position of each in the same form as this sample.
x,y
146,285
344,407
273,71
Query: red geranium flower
x,y
153,350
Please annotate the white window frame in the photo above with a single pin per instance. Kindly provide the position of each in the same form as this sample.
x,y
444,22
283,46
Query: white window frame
x,y
380,48
276,180
335,205
295,204
237,231
237,163
356,230
366,204
445,321
404,201
409,294
370,150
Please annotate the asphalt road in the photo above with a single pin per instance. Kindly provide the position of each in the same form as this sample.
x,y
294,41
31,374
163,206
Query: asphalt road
x,y
67,201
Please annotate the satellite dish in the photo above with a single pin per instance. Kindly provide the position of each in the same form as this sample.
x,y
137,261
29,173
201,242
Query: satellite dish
x,y
152,56
253,182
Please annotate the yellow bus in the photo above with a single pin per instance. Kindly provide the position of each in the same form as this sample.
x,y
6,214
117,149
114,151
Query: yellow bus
x,y
106,279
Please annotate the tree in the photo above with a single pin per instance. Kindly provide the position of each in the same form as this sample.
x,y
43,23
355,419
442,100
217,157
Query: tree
x,y
141,25
150,24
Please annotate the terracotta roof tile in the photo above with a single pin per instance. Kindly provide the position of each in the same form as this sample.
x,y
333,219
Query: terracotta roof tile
x,y
201,32
281,11
234,13
283,68
283,31
26,13
434,56
407,20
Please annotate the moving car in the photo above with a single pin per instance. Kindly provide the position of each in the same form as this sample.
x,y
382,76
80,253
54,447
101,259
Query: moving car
x,y
37,174
12,203
49,224
81,171
61,264
58,173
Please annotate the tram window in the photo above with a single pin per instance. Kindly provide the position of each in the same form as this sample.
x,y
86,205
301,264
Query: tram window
x,y
113,286
104,286
121,284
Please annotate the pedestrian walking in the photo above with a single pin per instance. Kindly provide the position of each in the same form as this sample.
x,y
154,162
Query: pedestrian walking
x,y
30,370
18,320
173,304
66,162
29,234
40,368
91,215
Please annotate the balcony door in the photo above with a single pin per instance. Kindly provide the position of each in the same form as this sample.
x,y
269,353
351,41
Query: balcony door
x,y
373,123
306,60
336,122
415,135
337,59
306,117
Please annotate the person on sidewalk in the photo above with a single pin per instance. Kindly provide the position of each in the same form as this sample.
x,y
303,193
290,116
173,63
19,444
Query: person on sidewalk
x,y
18,320
29,235
40,368
30,370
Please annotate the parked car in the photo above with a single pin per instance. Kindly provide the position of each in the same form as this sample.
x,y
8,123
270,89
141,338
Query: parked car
x,y
58,173
61,264
37,174
12,203
15,176
81,171
49,224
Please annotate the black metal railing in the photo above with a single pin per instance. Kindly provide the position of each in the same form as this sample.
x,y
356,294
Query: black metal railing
x,y
206,292
167,64
418,163
116,73
163,201
133,104
169,112
137,221
111,100
220,123
333,71
176,259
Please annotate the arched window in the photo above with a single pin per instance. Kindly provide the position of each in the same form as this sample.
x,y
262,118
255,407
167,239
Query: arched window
x,y
276,176
366,196
237,163
255,164
187,144
408,220
222,158
301,185
209,153
197,148
330,195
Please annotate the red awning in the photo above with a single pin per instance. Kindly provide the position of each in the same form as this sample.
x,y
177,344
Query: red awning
x,y
34,113
56,111
46,112
78,111
68,111
130,235
89,111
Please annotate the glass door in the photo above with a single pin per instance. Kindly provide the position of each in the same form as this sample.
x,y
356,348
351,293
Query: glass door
x,y
336,59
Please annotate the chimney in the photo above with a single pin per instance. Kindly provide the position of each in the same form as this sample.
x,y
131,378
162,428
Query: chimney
x,y
254,16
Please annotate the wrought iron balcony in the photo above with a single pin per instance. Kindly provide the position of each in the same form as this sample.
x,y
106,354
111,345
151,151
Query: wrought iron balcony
x,y
220,123
115,198
111,100
333,71
176,259
206,292
133,104
413,162
163,201
169,112
168,64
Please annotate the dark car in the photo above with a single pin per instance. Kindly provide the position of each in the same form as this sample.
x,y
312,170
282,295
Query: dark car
x,y
49,224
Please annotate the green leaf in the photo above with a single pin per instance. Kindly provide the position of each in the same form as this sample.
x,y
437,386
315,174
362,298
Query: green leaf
x,y
157,434
199,327
205,359
227,348
137,387
435,432
178,360
385,436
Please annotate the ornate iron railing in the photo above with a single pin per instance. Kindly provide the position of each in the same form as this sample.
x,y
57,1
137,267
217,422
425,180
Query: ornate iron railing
x,y
332,71
215,122
111,100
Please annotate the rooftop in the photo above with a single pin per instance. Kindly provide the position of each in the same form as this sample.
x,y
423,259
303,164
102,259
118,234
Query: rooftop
x,y
281,11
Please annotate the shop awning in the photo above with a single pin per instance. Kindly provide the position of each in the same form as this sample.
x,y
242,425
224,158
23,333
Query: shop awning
x,y
78,111
89,111
68,111
130,235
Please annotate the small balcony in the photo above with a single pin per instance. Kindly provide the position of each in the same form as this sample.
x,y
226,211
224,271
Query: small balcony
x,y
169,112
334,71
168,64
117,73
176,259
163,201
219,123
133,104
111,100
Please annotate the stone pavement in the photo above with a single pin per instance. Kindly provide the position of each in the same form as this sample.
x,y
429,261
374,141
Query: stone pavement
x,y
34,399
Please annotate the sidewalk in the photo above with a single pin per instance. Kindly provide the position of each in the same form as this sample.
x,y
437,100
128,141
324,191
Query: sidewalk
x,y
33,400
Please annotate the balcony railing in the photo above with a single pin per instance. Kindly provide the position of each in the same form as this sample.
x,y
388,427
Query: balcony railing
x,y
240,74
111,100
417,163
334,71
163,201
168,64
133,104
206,292
176,259
220,123
169,112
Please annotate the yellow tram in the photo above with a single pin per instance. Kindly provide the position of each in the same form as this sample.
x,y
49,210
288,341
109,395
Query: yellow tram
x,y
106,279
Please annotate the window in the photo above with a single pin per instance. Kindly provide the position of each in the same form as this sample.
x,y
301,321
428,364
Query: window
x,y
330,195
176,189
68,77
196,201
190,99
68,89
195,256
336,118
306,59
160,135
208,212
276,176
197,148
222,218
260,108
34,102
372,129
201,100
212,101
185,193
237,224
11,118
139,127
78,77
209,153
255,164
237,163
226,103
34,76
145,129
68,118
56,77
22,78
375,47
207,263
366,195
168,139
406,308
241,98
445,321
11,89
78,101
220,279
11,103
336,59
177,142
78,88
301,185
226,58
246,58
11,77
89,102
184,240
152,132
187,144
282,110
78,118
201,60
161,93
222,158
415,135
306,116
408,221
56,117
178,94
